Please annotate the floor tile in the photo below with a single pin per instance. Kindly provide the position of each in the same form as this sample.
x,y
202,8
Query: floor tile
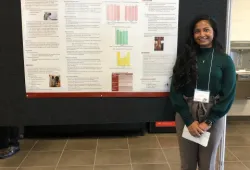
x,y
242,153
234,166
175,166
238,123
143,142
75,168
49,145
247,164
242,123
231,123
77,158
81,144
232,130
151,167
113,167
166,134
147,156
238,140
36,168
113,143
229,156
13,161
167,142
113,153
27,144
244,130
41,159
247,137
107,157
172,154
150,134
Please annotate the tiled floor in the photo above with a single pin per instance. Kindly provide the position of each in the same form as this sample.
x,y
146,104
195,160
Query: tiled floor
x,y
150,152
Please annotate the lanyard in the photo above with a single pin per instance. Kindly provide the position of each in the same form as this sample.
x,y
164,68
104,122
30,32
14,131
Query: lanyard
x,y
210,70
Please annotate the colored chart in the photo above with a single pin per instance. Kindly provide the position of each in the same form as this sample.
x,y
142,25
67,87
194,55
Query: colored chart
x,y
121,37
123,60
131,13
113,12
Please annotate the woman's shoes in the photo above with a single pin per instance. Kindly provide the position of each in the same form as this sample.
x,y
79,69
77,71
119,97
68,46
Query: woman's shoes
x,y
8,152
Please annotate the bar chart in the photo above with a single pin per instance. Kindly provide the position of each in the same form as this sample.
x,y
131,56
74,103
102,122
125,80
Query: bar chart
x,y
122,82
113,12
123,60
116,12
121,36
131,13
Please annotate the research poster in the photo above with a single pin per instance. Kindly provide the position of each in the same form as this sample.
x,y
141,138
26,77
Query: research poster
x,y
98,48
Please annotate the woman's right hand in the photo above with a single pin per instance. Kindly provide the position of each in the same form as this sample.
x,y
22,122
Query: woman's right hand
x,y
194,129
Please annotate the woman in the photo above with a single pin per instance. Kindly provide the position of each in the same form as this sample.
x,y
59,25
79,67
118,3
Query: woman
x,y
202,92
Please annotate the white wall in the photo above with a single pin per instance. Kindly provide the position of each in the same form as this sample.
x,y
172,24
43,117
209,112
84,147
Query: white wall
x,y
240,31
240,21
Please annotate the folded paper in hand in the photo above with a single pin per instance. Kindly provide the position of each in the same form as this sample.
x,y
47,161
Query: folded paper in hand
x,y
202,140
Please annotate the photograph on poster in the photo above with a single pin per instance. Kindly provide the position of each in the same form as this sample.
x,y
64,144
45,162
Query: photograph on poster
x,y
54,81
50,16
159,44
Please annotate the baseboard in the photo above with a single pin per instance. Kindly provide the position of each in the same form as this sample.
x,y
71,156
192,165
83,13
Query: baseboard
x,y
126,129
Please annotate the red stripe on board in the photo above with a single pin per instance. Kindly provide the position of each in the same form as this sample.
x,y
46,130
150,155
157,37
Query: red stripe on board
x,y
97,94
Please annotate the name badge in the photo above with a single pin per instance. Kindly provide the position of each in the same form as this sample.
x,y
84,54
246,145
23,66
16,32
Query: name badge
x,y
201,96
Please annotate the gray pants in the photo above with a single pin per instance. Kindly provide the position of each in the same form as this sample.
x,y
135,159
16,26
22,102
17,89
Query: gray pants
x,y
193,154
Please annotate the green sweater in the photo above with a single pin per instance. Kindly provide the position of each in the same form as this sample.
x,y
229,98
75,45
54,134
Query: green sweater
x,y
223,82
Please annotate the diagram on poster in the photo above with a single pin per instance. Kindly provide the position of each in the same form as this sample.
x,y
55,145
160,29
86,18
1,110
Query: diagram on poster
x,y
120,48
123,60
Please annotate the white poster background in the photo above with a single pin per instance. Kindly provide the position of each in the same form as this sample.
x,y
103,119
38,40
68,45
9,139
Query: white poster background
x,y
73,45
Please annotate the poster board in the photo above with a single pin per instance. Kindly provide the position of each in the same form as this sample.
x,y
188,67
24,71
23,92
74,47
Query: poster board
x,y
83,110
99,48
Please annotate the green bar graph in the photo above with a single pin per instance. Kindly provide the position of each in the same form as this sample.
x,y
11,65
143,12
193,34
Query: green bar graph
x,y
117,37
121,37
126,37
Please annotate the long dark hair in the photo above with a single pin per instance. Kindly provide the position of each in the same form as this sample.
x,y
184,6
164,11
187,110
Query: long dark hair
x,y
185,70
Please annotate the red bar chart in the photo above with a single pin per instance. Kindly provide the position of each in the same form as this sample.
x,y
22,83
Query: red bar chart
x,y
131,13
113,12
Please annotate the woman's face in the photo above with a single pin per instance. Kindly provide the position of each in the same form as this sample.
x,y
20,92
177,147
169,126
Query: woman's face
x,y
204,34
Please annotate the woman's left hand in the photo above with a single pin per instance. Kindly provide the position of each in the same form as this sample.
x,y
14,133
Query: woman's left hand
x,y
204,126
